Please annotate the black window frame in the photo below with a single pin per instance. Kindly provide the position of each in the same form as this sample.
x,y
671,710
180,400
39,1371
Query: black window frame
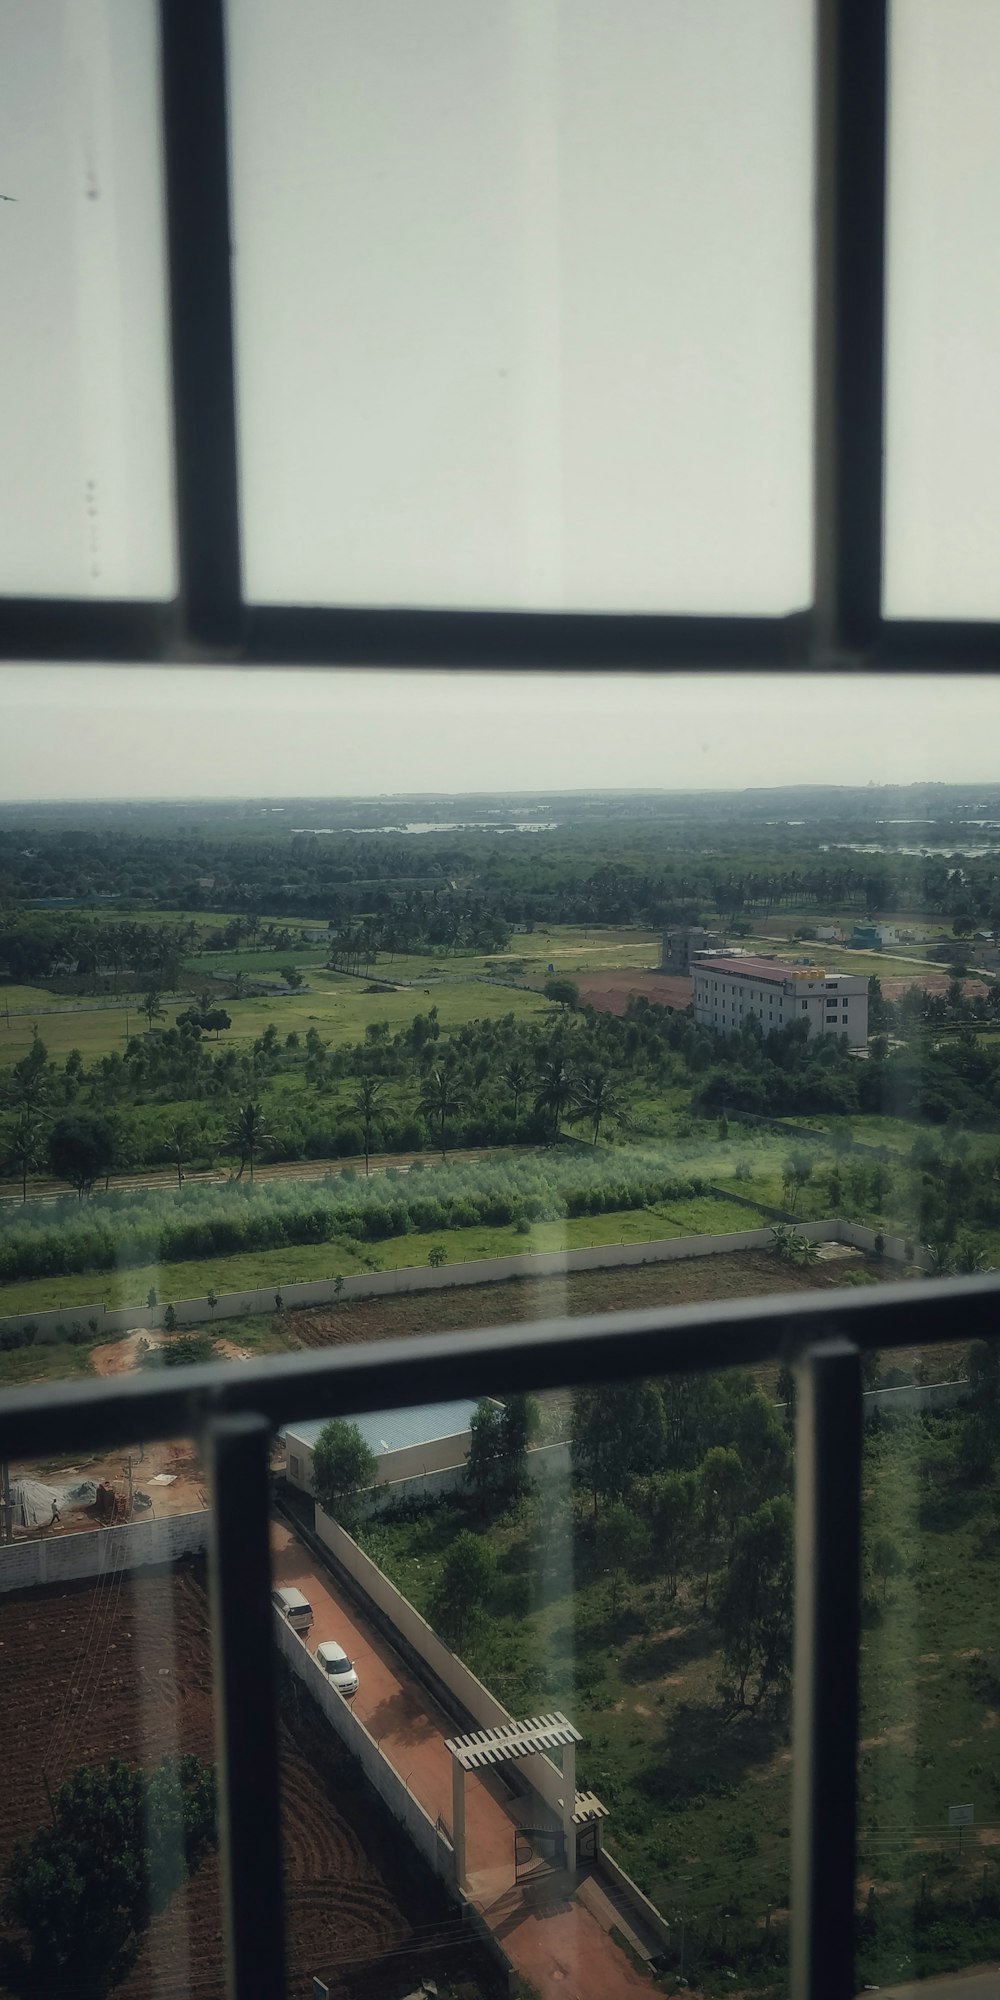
x,y
234,1412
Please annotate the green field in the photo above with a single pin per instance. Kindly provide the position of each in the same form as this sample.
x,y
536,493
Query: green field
x,y
268,1270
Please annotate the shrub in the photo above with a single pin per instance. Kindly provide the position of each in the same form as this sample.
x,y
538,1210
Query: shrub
x,y
437,1255
170,1319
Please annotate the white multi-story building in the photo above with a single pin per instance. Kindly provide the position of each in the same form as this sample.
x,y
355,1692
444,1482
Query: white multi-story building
x,y
729,989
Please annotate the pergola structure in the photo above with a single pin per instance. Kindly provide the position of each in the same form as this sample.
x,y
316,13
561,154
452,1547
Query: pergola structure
x,y
508,1743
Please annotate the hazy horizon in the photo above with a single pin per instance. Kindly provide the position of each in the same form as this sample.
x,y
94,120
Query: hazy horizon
x,y
106,733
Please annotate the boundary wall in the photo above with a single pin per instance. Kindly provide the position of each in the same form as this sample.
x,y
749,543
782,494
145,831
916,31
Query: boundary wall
x,y
49,1559
426,1836
451,1673
424,1278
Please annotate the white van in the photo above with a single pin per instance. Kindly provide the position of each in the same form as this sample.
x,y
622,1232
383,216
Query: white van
x,y
294,1606
335,1663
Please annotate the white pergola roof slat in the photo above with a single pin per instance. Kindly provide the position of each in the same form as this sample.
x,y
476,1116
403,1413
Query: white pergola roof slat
x,y
512,1740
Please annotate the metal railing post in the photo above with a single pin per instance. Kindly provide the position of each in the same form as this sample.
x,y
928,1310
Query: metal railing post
x,y
828,1437
246,1698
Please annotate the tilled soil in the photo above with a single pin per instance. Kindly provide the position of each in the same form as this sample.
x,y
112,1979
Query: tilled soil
x,y
743,1274
124,1669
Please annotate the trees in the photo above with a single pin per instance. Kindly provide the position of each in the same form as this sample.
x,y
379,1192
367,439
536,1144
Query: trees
x,y
247,1135
598,1099
564,992
80,1150
669,1501
795,1173
178,1145
484,1465
721,1488
291,976
342,1466
364,1104
121,1842
619,1434
622,1542
151,1006
754,1605
517,1077
464,1586
555,1088
24,1151
439,1099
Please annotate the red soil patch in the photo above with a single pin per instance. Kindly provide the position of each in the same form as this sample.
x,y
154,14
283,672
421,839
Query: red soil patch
x,y
124,1670
930,982
610,992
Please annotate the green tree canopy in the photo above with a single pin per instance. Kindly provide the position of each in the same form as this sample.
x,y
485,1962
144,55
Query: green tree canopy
x,y
342,1466
80,1150
754,1605
619,1435
465,1586
622,1543
85,1888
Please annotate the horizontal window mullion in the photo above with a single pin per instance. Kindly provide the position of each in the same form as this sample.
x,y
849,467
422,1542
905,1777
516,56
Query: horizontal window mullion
x,y
547,1354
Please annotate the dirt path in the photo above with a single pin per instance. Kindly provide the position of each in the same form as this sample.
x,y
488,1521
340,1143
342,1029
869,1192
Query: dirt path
x,y
557,1944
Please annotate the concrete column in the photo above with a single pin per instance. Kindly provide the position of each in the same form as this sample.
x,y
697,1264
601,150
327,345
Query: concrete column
x,y
569,1804
458,1822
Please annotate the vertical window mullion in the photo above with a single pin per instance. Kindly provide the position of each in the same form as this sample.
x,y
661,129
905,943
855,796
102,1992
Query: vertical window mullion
x,y
851,113
196,162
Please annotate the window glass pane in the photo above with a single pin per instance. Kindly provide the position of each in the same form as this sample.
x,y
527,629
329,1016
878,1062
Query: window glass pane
x,y
108,1718
928,1883
943,402
523,302
85,479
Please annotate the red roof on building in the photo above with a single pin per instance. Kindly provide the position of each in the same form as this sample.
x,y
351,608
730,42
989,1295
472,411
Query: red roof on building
x,y
749,967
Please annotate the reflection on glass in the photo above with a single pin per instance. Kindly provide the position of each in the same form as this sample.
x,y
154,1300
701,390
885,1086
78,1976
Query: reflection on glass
x,y
85,485
523,303
928,1892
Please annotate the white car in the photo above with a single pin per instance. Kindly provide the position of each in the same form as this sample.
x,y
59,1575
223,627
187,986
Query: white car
x,y
337,1666
294,1605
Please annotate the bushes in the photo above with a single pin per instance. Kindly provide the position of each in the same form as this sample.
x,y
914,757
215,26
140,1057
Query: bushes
x,y
141,1227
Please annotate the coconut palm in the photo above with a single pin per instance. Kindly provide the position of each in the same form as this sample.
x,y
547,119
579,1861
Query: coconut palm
x,y
517,1077
555,1088
364,1106
248,1135
441,1096
598,1100
151,1006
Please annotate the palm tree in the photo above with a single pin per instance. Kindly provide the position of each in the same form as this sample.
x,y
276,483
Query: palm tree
x,y
597,1097
24,1150
555,1088
517,1076
440,1098
364,1106
151,1006
248,1135
178,1146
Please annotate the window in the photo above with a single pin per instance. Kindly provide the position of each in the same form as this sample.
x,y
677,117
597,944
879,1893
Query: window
x,y
210,623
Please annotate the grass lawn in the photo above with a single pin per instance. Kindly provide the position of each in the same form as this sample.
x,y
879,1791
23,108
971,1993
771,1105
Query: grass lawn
x,y
269,1270
699,1797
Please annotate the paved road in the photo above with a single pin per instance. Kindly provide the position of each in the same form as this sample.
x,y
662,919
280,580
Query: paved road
x,y
559,1945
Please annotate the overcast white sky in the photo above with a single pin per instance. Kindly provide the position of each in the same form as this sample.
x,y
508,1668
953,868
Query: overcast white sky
x,y
523,317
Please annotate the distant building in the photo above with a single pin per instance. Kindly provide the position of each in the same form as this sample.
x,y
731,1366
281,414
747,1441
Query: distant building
x,y
406,1443
727,990
680,945
873,937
